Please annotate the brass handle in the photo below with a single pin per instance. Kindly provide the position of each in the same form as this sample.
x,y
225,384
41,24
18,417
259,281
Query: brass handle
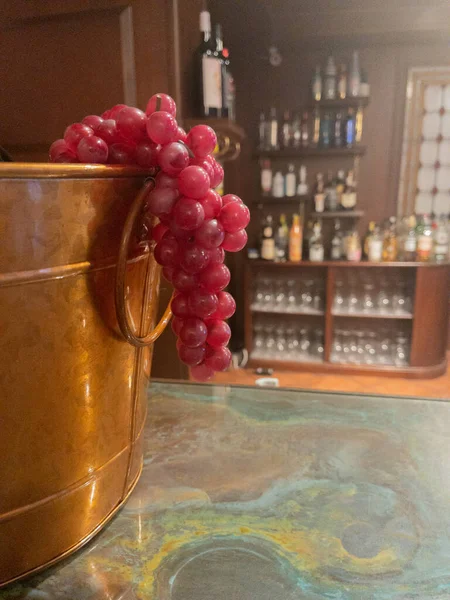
x,y
120,298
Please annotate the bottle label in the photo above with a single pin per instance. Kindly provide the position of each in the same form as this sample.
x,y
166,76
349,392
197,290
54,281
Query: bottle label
x,y
295,249
348,200
212,82
268,249
266,180
316,253
410,245
375,250
441,249
441,237
290,184
319,201
336,253
267,232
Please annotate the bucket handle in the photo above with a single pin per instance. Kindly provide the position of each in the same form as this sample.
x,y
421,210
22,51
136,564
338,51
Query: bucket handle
x,y
122,309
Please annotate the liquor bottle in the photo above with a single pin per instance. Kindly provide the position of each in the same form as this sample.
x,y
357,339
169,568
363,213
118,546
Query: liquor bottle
x,y
296,131
286,130
317,85
295,239
354,80
375,245
330,80
263,132
302,188
390,242
340,186
319,194
273,131
316,127
304,130
290,181
325,133
338,130
364,87
358,125
266,178
218,52
441,240
353,246
409,244
209,72
331,198
424,239
369,234
350,128
316,249
268,240
282,240
342,81
337,248
278,185
348,197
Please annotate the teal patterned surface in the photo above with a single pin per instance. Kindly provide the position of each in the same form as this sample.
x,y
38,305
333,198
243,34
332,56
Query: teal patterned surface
x,y
260,494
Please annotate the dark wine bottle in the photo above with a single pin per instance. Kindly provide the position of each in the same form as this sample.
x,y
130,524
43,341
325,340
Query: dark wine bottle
x,y
209,72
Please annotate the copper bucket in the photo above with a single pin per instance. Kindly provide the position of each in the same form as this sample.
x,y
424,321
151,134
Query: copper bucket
x,y
72,389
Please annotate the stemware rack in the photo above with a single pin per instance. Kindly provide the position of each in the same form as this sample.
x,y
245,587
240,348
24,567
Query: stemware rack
x,y
379,318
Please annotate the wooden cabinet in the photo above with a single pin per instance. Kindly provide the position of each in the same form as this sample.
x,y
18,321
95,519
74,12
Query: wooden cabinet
x,y
420,319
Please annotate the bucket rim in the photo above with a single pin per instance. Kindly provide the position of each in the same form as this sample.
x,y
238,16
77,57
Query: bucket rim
x,y
23,170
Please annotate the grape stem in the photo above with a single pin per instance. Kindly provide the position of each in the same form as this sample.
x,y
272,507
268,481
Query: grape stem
x,y
191,154
158,102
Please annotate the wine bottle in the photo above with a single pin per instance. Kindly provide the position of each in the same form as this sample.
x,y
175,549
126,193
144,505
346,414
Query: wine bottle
x,y
209,72
268,240
218,52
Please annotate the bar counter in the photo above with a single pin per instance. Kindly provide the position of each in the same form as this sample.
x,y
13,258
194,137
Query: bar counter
x,y
273,494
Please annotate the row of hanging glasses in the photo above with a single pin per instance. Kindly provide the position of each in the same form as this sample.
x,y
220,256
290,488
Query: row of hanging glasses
x,y
367,347
286,294
282,340
372,293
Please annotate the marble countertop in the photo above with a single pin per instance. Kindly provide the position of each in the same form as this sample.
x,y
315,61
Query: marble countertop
x,y
263,494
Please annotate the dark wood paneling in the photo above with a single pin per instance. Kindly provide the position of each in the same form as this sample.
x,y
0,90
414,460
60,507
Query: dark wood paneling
x,y
430,325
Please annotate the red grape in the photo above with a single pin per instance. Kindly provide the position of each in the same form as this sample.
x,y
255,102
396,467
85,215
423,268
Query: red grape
x,y
108,131
216,255
181,134
230,198
164,180
202,140
233,242
61,153
205,164
168,273
226,307
215,277
76,132
193,258
131,124
92,149
193,333
202,372
219,333
212,204
158,232
184,282
234,216
162,127
181,234
202,303
188,214
176,325
166,103
218,174
193,182
121,154
92,121
219,359
147,155
166,252
161,201
210,234
191,356
114,111
173,158
180,307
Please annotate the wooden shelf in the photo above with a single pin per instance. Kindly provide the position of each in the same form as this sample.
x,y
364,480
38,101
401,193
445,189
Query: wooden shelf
x,y
305,152
361,315
283,199
309,313
349,102
344,263
338,214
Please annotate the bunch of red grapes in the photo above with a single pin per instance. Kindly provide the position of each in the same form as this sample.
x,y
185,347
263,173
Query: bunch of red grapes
x,y
196,225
